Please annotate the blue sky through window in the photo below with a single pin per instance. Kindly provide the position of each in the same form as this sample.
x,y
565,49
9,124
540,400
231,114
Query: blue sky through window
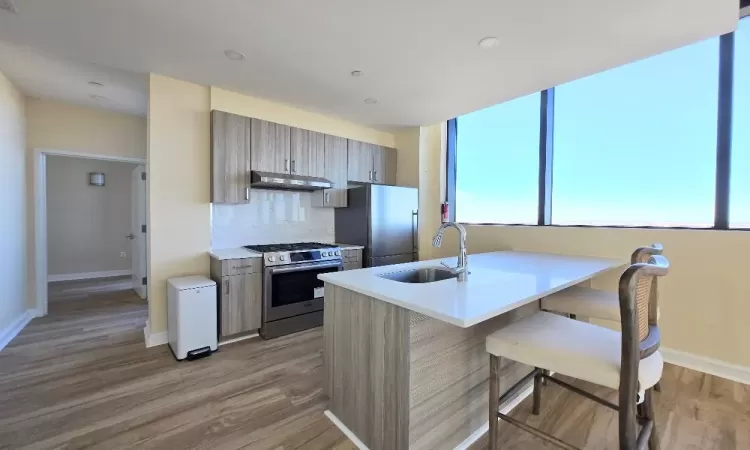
x,y
497,163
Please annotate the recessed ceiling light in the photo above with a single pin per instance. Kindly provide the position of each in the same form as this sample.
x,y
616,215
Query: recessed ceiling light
x,y
98,97
488,42
95,84
234,55
357,73
370,101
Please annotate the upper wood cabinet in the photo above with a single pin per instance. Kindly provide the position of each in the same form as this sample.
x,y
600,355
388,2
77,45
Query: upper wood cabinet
x,y
370,163
307,154
335,170
384,165
230,158
270,146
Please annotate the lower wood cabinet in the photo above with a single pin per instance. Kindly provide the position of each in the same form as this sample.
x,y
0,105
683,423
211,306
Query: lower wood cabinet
x,y
240,303
352,258
240,289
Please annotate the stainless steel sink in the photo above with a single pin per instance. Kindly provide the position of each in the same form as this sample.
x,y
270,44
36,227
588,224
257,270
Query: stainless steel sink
x,y
424,275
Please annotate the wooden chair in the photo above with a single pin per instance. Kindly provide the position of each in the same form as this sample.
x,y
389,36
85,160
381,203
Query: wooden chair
x,y
628,361
595,303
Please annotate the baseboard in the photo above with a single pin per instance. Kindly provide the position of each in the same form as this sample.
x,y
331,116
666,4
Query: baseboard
x,y
89,275
154,339
707,365
463,445
238,339
15,327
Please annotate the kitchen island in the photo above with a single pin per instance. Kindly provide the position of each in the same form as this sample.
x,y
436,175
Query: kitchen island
x,y
405,363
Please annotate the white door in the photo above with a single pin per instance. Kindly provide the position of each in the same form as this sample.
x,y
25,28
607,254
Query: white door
x,y
138,229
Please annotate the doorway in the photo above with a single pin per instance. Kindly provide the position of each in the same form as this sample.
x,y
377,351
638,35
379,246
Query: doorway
x,y
90,227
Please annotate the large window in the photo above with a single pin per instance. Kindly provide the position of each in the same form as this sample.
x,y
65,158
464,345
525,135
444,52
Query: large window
x,y
739,197
636,145
497,167
661,142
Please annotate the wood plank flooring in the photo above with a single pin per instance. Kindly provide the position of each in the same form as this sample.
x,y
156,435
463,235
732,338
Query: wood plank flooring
x,y
82,378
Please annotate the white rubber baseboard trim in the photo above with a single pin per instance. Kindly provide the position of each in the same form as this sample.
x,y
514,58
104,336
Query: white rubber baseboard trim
x,y
707,365
15,327
89,275
154,339
462,446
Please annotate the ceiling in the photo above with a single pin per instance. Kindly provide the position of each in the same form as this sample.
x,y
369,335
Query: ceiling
x,y
420,58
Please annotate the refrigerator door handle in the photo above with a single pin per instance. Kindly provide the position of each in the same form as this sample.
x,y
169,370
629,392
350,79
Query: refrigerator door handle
x,y
414,229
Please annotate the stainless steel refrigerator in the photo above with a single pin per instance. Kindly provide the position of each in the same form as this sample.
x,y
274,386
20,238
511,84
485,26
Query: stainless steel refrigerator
x,y
384,220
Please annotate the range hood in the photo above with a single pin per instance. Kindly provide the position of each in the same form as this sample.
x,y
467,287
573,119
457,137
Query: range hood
x,y
268,180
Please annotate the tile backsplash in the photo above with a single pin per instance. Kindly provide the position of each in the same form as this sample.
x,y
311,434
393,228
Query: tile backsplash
x,y
271,217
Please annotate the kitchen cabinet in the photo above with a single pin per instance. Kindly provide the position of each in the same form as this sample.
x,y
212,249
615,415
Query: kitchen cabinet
x,y
384,165
370,163
351,258
240,290
230,158
307,153
270,146
335,169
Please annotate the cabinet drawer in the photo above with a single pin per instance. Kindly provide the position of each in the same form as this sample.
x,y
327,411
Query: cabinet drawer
x,y
240,266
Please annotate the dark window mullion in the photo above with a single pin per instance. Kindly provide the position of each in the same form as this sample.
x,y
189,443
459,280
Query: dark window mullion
x,y
724,131
450,170
546,134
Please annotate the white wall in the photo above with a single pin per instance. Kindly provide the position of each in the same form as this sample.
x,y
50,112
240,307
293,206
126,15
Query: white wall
x,y
87,225
13,220
271,216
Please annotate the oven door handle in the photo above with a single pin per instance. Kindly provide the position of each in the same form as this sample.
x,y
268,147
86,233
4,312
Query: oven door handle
x,y
303,267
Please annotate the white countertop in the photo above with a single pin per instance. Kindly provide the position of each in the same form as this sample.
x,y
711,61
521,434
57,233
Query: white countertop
x,y
498,282
347,246
234,253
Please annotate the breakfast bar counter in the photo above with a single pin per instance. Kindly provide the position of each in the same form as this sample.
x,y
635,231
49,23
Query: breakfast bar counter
x,y
405,363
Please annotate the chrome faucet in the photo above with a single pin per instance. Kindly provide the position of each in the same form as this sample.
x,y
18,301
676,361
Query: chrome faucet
x,y
462,269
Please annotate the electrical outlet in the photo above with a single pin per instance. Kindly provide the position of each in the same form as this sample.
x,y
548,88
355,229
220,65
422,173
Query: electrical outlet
x,y
123,255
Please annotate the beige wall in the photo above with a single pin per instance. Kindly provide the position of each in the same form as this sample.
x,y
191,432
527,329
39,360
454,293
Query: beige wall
x,y
87,225
178,187
13,239
244,105
53,125
705,299
407,145
62,126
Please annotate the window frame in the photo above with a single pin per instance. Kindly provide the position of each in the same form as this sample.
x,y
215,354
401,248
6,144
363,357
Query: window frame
x,y
546,152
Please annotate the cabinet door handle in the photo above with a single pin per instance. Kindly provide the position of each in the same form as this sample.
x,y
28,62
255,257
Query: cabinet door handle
x,y
286,165
328,197
375,174
294,166
226,287
247,193
243,267
369,175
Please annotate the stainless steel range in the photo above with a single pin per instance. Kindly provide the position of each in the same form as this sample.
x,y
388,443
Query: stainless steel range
x,y
292,293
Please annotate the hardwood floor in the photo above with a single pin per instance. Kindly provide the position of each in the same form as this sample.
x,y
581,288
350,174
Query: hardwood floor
x,y
82,378
693,411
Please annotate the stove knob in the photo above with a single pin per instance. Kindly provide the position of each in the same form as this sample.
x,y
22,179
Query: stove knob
x,y
282,257
326,253
271,259
338,253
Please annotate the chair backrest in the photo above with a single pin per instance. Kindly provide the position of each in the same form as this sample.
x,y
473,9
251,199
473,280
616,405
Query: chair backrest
x,y
643,254
638,302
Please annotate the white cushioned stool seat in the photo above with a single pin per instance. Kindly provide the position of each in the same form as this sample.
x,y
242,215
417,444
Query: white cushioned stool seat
x,y
586,302
570,347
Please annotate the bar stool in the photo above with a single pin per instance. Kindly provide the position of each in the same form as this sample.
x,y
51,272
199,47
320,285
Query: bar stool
x,y
595,303
628,361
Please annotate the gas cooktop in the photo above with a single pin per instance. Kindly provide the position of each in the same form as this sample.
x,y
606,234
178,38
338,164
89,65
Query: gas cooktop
x,y
296,246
